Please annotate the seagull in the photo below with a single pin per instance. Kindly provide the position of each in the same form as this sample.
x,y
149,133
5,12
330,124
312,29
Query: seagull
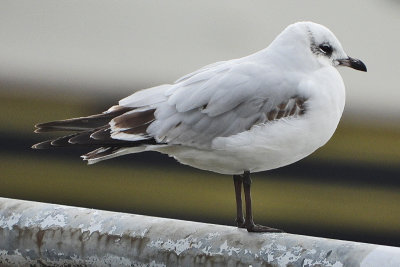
x,y
236,117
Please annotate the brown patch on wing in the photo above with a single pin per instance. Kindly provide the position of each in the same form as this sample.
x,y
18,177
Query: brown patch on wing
x,y
290,108
283,105
272,114
137,130
134,119
293,110
300,105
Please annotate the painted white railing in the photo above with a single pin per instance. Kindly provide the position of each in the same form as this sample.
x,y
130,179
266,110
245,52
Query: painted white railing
x,y
33,233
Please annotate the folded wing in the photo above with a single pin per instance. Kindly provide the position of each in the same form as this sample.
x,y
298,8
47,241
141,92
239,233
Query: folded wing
x,y
220,100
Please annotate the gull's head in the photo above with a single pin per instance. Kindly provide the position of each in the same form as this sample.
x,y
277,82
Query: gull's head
x,y
321,43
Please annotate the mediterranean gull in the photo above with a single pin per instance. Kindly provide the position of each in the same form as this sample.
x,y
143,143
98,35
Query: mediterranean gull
x,y
251,114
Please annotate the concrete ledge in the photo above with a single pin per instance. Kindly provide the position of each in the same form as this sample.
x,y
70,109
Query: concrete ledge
x,y
47,234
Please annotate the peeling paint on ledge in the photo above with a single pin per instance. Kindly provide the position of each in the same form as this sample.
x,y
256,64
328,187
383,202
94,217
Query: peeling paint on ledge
x,y
47,234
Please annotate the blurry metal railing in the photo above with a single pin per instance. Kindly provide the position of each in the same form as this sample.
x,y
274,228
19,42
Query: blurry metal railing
x,y
33,233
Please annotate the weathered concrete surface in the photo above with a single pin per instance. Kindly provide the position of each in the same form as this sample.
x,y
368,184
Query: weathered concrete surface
x,y
46,234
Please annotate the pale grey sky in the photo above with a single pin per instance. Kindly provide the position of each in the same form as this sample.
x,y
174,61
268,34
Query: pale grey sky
x,y
109,46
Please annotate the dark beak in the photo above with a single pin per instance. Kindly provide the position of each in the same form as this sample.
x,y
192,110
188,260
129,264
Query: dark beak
x,y
353,63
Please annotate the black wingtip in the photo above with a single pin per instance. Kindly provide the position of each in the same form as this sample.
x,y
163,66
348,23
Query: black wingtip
x,y
47,124
42,145
47,127
102,134
43,130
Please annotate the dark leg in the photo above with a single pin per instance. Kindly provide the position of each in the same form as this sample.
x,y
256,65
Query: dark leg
x,y
249,223
237,181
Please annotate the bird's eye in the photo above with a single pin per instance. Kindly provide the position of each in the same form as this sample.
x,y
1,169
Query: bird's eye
x,y
326,49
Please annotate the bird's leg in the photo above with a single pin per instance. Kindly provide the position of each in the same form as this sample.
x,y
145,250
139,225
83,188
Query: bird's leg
x,y
249,223
237,181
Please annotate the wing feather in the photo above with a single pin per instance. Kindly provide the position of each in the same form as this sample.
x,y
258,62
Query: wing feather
x,y
82,123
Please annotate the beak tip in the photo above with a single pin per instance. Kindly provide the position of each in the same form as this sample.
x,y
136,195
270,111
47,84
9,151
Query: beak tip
x,y
357,64
361,66
354,64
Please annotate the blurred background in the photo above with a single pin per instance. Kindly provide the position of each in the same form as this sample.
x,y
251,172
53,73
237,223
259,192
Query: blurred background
x,y
60,59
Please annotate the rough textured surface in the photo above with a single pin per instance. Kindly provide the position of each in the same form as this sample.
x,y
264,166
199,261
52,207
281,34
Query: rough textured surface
x,y
46,234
